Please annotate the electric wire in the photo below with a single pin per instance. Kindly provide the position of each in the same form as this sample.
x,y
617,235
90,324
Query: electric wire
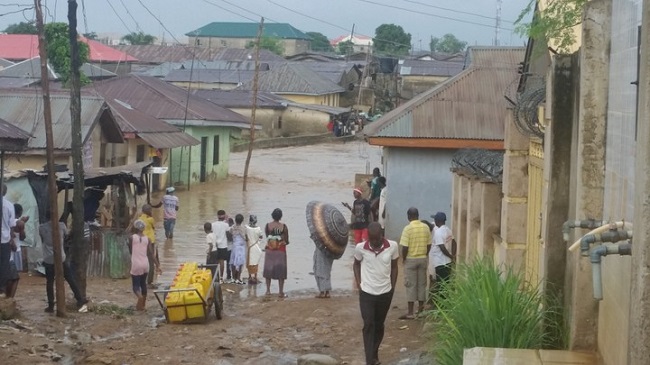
x,y
432,15
230,11
456,11
119,16
137,26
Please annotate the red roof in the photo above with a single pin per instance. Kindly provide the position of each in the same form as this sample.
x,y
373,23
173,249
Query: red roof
x,y
18,47
340,38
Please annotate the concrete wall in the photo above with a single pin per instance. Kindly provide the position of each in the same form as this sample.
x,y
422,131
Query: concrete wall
x,y
266,118
411,86
328,99
297,121
416,177
613,314
290,46
191,157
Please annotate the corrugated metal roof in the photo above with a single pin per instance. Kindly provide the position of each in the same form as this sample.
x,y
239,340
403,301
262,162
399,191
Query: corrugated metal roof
x,y
28,69
165,101
430,68
9,131
25,46
24,109
211,76
294,78
164,69
485,56
334,110
5,63
95,72
153,53
240,98
238,54
14,82
470,105
248,30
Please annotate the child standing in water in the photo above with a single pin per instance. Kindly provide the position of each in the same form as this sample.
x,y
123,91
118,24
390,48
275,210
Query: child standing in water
x,y
254,236
212,253
238,255
140,248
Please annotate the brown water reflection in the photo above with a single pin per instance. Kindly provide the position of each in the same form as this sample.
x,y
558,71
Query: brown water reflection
x,y
286,178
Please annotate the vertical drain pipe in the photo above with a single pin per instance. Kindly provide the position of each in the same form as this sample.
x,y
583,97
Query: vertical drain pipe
x,y
596,255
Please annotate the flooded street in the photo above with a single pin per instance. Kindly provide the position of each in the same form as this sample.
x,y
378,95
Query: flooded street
x,y
285,178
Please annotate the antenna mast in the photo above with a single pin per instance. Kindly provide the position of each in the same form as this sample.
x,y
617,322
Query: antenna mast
x,y
497,25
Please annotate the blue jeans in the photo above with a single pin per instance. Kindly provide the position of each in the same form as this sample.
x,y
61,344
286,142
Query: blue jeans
x,y
169,225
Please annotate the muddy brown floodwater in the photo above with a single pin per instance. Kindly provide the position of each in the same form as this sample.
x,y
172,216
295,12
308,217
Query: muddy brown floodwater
x,y
285,178
255,329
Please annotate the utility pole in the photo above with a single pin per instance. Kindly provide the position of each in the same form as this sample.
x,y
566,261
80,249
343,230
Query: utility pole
x,y
350,47
79,247
51,176
254,109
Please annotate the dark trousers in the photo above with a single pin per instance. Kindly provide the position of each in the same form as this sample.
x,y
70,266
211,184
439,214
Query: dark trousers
x,y
152,264
5,255
374,309
139,283
443,274
68,276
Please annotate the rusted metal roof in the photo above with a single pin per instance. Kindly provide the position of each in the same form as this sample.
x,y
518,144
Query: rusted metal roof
x,y
24,109
208,76
156,54
294,78
241,98
157,133
429,68
162,100
12,138
470,105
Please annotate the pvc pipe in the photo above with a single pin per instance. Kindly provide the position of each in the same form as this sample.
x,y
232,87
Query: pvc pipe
x,y
587,223
596,255
610,236
610,226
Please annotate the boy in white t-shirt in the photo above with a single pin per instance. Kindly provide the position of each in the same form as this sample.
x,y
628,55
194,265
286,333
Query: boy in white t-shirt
x,y
211,240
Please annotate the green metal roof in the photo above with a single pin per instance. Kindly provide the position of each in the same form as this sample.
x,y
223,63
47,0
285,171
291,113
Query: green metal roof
x,y
247,30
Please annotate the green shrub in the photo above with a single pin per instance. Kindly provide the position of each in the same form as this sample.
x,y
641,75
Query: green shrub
x,y
484,306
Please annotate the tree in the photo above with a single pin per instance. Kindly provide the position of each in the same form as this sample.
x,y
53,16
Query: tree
x,y
58,50
91,35
269,43
391,39
345,47
139,38
447,44
554,24
21,28
319,42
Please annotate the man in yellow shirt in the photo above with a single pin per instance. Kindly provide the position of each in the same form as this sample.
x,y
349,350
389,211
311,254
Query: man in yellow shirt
x,y
150,232
416,243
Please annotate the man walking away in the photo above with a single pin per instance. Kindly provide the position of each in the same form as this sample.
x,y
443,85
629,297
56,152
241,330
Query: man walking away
x,y
169,202
375,271
443,252
416,243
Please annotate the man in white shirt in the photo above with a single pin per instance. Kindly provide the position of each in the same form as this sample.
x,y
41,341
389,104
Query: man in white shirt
x,y
220,229
375,271
443,252
7,244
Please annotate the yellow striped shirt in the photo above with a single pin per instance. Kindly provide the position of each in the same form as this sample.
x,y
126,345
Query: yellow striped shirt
x,y
416,236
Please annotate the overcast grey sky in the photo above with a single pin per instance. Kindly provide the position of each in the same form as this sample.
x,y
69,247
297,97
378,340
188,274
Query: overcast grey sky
x,y
421,18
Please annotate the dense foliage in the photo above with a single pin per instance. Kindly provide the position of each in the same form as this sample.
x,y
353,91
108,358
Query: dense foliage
x,y
391,39
319,42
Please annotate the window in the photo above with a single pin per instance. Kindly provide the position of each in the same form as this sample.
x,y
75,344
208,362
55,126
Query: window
x,y
215,150
139,154
279,122
223,43
102,155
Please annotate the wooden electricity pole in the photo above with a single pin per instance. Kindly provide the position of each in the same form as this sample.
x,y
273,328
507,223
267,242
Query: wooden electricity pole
x,y
254,109
79,247
51,176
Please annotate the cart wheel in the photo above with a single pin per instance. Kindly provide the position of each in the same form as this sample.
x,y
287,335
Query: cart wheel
x,y
218,302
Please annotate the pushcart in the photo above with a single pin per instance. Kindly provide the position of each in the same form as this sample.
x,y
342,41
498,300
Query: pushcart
x,y
213,297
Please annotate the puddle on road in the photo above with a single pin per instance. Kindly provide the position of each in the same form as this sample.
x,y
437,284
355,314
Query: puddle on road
x,y
285,178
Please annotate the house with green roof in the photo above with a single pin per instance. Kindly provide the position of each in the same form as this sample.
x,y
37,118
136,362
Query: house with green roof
x,y
239,35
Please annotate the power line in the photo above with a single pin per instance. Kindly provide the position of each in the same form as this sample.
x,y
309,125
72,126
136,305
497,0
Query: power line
x,y
230,11
17,11
249,11
137,26
118,16
454,10
432,15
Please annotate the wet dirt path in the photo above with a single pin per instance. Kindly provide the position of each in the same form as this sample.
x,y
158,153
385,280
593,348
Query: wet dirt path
x,y
285,178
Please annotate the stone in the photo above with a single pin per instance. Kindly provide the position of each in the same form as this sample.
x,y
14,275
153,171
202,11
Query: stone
x,y
272,358
222,362
316,359
8,308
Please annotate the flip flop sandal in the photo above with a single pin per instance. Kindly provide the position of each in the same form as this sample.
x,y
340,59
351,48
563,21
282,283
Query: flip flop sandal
x,y
407,317
284,295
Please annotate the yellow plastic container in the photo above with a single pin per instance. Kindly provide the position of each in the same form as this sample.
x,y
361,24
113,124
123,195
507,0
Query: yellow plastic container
x,y
175,314
193,305
202,280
